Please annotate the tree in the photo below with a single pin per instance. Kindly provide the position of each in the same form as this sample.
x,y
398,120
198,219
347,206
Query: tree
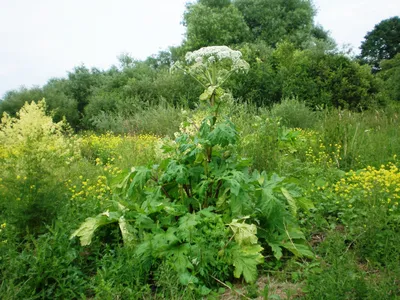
x,y
211,23
383,42
15,99
273,21
313,75
390,73
81,83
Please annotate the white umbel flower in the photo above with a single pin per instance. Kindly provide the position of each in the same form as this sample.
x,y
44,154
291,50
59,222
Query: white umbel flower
x,y
210,55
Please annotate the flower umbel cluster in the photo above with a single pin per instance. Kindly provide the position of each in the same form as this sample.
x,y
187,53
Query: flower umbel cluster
x,y
211,67
209,55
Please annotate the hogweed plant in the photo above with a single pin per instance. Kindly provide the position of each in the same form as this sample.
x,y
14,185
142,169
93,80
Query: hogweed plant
x,y
201,210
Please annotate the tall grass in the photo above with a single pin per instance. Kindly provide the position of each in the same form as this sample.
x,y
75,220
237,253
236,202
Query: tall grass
x,y
162,119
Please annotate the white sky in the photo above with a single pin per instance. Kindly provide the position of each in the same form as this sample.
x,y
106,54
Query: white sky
x,y
41,39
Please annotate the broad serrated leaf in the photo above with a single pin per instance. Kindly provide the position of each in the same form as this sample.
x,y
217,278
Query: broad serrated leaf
x,y
221,200
234,186
241,205
86,230
223,134
188,221
299,250
175,172
276,249
139,180
127,235
294,233
245,260
145,222
305,203
245,234
290,200
187,278
208,212
204,291
268,204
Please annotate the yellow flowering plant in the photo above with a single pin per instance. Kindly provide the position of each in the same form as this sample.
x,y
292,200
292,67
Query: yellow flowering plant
x,y
376,188
361,197
34,153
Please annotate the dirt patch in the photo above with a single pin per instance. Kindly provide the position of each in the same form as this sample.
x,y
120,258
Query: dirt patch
x,y
276,290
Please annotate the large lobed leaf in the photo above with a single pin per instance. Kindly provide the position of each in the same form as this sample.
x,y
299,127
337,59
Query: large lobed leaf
x,y
245,260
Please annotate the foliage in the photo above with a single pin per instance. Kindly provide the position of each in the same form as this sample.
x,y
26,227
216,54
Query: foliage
x,y
14,100
360,260
313,75
197,214
31,148
190,210
365,138
58,104
140,122
383,42
209,24
274,21
390,73
81,83
294,114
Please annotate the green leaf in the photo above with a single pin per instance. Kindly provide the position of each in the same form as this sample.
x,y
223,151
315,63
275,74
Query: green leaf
x,y
144,222
127,236
223,134
276,249
245,234
245,260
290,200
205,127
175,172
294,233
320,182
86,230
297,249
234,186
305,203
187,278
140,177
204,291
241,204
187,223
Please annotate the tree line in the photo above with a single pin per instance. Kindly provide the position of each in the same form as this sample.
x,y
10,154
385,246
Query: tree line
x,y
289,56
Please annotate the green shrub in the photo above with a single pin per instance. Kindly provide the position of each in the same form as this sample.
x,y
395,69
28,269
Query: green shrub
x,y
141,122
294,114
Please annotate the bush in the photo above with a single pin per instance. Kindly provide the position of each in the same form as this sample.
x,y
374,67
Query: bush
x,y
160,120
33,153
294,114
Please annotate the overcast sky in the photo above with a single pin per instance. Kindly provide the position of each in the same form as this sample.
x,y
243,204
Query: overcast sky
x,y
41,39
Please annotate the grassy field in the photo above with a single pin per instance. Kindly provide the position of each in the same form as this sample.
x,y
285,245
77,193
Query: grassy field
x,y
331,232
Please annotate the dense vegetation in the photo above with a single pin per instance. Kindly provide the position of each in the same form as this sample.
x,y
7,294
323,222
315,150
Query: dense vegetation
x,y
266,171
